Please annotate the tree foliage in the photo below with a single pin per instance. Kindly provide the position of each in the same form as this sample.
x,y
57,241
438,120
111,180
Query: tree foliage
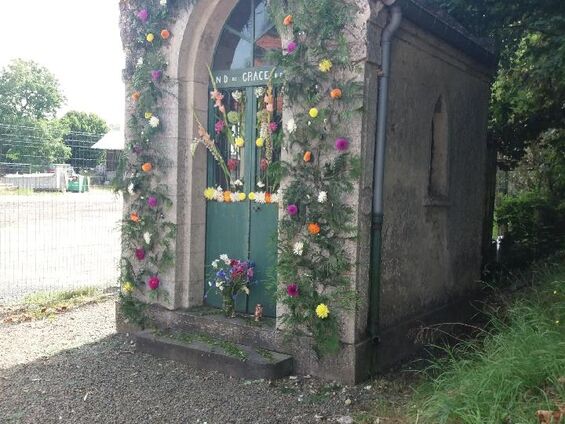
x,y
81,131
29,91
528,95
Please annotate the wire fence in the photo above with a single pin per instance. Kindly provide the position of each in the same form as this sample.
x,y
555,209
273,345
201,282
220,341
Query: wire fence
x,y
59,220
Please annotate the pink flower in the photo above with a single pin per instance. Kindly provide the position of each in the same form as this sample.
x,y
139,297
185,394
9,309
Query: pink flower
x,y
140,254
153,282
273,126
264,164
222,109
232,164
342,144
292,209
143,15
250,273
292,290
269,107
219,126
156,75
291,47
152,201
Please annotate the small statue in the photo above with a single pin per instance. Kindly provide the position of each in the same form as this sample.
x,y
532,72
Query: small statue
x,y
258,312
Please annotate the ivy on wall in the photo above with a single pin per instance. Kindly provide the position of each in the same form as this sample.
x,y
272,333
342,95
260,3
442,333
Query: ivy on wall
x,y
314,264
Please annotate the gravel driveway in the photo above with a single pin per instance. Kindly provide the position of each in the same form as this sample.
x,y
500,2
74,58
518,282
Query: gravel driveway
x,y
75,369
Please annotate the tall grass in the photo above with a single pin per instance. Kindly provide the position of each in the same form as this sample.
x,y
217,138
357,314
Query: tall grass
x,y
517,368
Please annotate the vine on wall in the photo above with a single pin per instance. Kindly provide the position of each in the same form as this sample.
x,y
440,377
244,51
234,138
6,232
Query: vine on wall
x,y
314,265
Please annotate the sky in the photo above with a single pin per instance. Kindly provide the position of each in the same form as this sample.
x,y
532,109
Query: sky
x,y
78,41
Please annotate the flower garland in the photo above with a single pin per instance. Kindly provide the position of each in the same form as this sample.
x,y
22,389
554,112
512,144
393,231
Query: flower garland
x,y
147,236
313,262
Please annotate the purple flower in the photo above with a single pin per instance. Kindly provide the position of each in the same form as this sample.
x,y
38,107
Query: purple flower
x,y
219,126
342,144
292,290
143,15
140,254
137,149
292,209
273,126
156,74
152,201
250,273
291,47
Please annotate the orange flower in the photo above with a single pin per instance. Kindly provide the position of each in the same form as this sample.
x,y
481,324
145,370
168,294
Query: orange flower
x,y
146,167
134,217
135,96
335,93
268,198
307,156
165,34
288,20
313,228
227,196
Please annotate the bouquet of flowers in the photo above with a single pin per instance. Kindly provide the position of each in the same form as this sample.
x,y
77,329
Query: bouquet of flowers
x,y
229,278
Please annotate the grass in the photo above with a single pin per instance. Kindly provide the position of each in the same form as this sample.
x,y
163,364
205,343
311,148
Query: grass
x,y
46,304
515,369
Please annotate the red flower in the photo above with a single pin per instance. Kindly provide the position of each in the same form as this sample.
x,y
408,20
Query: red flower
x,y
292,290
153,282
232,164
140,254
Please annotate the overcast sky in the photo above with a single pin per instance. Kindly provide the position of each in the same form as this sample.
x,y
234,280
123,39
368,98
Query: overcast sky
x,y
78,41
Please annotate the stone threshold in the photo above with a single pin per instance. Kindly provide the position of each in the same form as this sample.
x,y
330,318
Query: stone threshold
x,y
206,352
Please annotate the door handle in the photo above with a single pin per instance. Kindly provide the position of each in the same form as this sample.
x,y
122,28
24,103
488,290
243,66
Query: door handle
x,y
256,208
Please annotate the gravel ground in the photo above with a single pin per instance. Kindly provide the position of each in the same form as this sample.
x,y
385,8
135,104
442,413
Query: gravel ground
x,y
75,369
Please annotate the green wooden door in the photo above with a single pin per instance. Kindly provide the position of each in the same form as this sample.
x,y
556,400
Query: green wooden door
x,y
245,229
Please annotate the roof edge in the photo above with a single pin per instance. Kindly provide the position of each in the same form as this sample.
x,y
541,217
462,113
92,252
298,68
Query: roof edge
x,y
449,31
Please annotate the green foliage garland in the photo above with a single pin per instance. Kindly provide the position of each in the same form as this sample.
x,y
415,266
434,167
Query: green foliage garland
x,y
319,272
147,237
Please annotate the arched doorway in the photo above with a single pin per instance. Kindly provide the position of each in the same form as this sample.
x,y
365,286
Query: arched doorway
x,y
245,229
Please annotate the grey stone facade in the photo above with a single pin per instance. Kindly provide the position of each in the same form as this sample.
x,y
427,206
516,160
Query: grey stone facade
x,y
434,191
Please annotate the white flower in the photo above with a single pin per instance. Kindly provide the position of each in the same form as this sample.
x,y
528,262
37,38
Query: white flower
x,y
291,126
193,146
147,237
237,95
154,121
264,131
219,196
298,248
235,196
322,197
246,289
238,183
130,188
260,184
259,91
163,2
225,258
215,263
140,61
260,197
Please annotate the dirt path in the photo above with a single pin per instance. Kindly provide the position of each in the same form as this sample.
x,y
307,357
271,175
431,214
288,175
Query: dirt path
x,y
75,369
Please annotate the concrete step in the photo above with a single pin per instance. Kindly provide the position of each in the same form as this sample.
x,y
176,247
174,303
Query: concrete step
x,y
205,352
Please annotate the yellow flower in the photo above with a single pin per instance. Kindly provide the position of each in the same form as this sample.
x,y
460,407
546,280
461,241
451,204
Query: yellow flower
x,y
148,115
127,287
239,141
210,193
150,37
251,196
259,142
241,196
325,65
313,112
322,310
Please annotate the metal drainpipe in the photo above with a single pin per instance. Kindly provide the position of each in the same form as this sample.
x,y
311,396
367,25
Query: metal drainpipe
x,y
379,164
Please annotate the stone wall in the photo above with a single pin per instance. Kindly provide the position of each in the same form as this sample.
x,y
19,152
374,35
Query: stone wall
x,y
432,244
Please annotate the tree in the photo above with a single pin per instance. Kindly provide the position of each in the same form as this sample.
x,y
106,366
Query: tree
x,y
29,91
529,92
82,130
